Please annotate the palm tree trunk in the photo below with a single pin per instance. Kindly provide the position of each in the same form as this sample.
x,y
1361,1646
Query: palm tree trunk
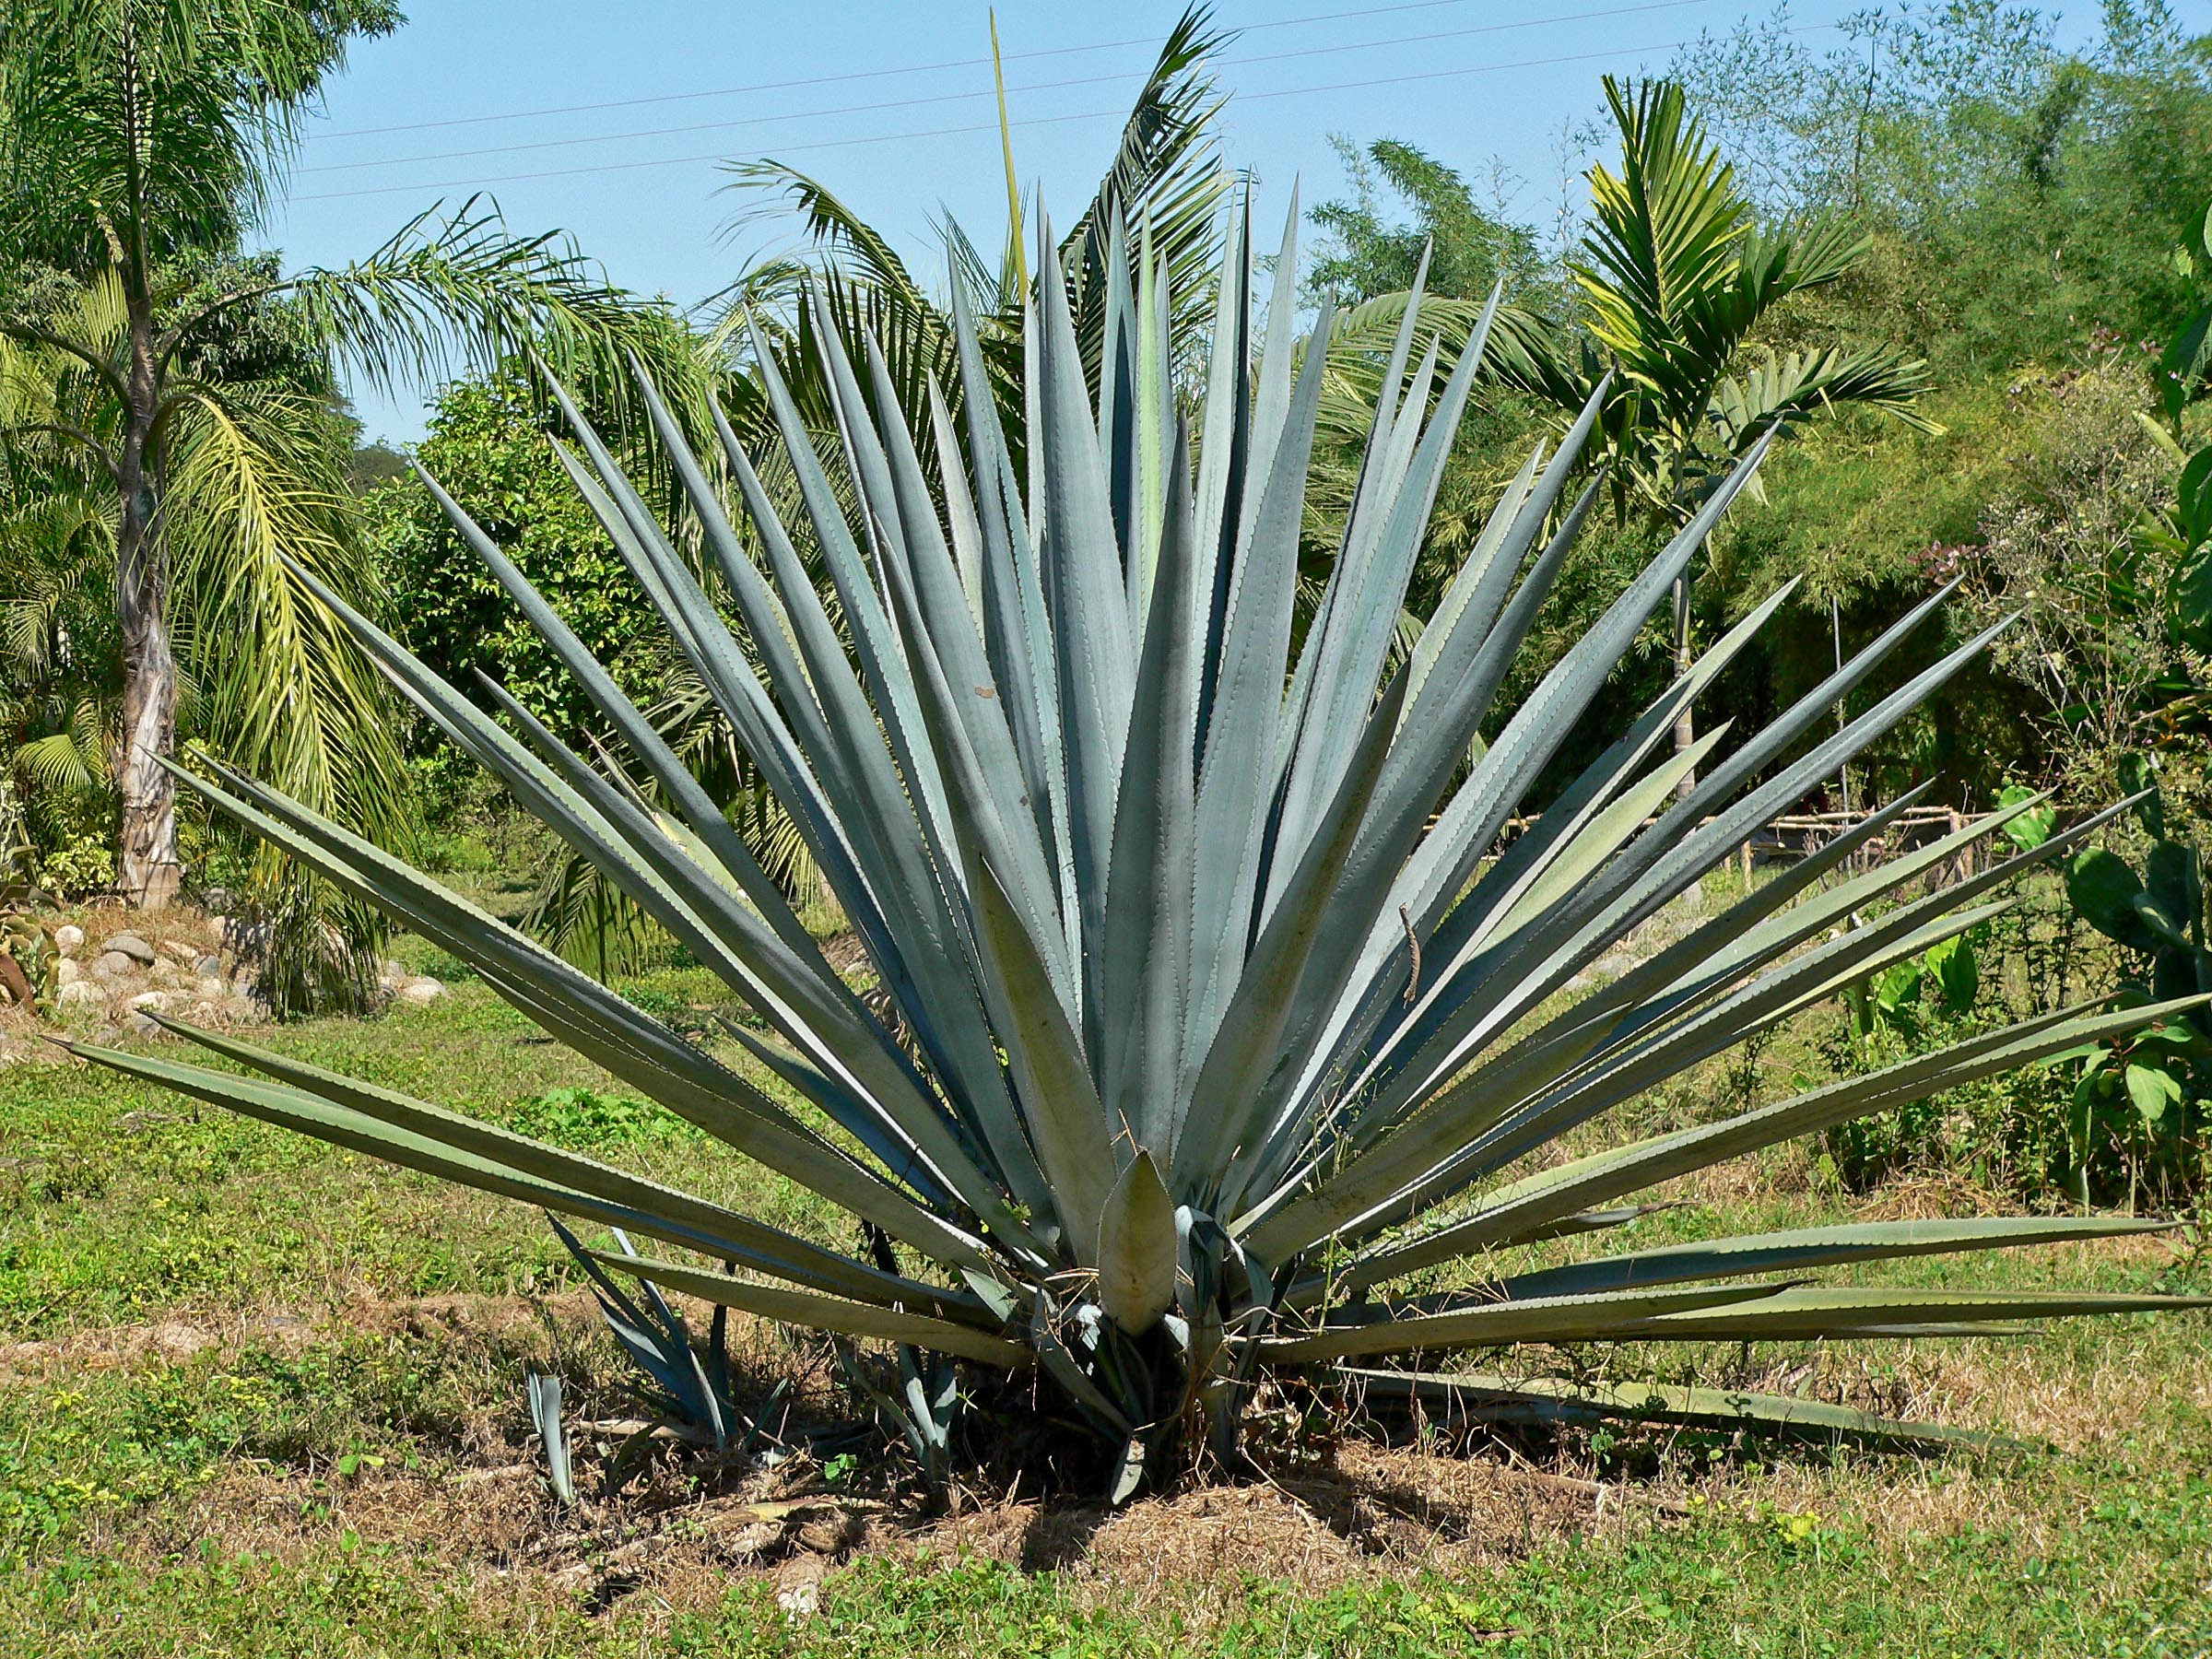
x,y
148,871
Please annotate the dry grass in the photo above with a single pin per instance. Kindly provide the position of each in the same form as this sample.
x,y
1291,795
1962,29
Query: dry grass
x,y
1358,1509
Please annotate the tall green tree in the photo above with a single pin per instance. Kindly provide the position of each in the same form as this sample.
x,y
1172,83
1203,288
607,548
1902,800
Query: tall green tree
x,y
1405,205
137,138
2019,193
1675,280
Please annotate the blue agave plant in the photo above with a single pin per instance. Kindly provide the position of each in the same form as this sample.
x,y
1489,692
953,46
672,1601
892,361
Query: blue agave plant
x,y
1221,1020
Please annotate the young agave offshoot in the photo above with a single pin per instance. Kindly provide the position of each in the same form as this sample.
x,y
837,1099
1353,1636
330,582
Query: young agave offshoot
x,y
1217,1018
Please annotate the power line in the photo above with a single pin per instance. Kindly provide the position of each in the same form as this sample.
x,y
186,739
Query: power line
x,y
1243,98
862,74
942,98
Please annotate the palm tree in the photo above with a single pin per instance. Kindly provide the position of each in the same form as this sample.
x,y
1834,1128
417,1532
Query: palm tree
x,y
1165,179
136,138
1674,280
59,670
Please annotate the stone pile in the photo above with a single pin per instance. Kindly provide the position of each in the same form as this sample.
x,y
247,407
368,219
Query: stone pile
x,y
125,979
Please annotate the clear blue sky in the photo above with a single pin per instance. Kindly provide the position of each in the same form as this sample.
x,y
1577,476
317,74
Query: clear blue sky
x,y
404,127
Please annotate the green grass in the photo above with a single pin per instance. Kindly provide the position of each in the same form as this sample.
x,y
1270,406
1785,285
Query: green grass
x,y
297,1485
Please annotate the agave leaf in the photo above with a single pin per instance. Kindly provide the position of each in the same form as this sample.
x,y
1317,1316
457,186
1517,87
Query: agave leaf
x,y
1445,1129
1118,412
933,972
1224,458
1487,1397
1068,1371
1817,1247
1808,1311
1796,983
895,1136
875,642
1630,889
1084,591
1146,943
1381,475
690,800
588,1016
1356,635
1566,871
1508,516
824,1313
1440,871
943,628
1680,972
1158,421
1240,721
1508,1215
1224,1100
1016,629
1545,1319
1439,868
788,982
422,1138
1272,417
859,820
1136,1248
1051,1077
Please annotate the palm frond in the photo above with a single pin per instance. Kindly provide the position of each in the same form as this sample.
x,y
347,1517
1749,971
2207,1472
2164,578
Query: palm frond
x,y
258,503
462,287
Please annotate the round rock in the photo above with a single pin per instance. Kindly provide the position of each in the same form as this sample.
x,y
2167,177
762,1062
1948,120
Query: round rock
x,y
68,939
80,994
421,992
113,965
68,971
132,946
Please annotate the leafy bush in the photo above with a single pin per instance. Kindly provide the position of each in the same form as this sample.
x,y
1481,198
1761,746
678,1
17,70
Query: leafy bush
x,y
489,445
2140,1107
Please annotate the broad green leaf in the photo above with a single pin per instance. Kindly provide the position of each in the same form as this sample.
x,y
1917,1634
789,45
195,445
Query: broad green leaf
x,y
2155,1091
2030,828
2103,889
1956,971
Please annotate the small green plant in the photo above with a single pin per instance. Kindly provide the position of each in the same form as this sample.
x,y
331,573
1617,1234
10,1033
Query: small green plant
x,y
2139,1107
585,1117
544,1389
77,867
26,960
1939,987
